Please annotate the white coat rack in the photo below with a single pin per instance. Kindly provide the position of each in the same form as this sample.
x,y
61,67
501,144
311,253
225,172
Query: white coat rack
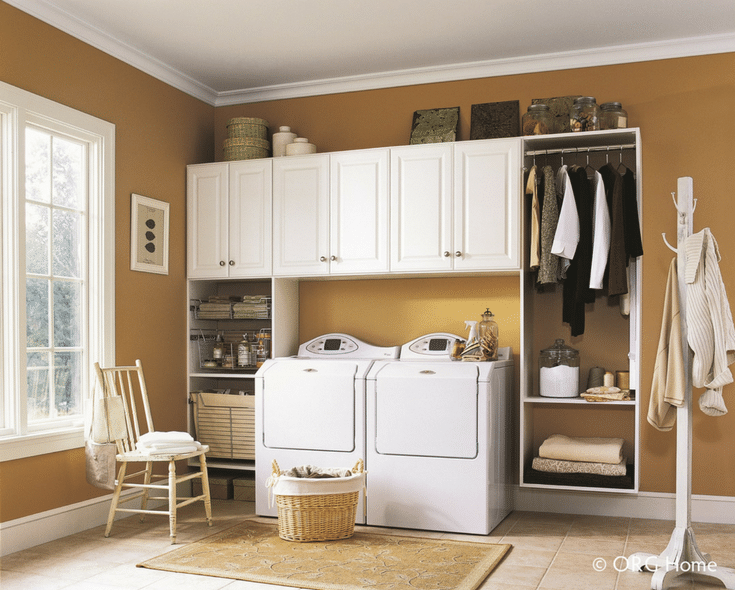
x,y
682,555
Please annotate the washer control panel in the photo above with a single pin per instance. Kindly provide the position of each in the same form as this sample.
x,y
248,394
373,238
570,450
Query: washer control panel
x,y
345,346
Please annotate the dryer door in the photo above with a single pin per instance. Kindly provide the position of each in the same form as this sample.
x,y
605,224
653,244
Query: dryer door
x,y
426,409
310,405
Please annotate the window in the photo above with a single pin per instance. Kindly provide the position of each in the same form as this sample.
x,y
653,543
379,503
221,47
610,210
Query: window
x,y
57,265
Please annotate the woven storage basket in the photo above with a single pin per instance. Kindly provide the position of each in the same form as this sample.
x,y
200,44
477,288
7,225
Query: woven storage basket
x,y
317,514
246,148
247,127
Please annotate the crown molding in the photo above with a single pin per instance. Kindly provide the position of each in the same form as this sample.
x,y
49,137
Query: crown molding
x,y
601,56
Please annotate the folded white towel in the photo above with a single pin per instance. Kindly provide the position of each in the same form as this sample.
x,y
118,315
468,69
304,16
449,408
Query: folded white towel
x,y
165,437
595,450
179,450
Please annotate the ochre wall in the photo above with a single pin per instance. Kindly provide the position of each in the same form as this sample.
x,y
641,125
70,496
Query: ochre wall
x,y
678,104
159,130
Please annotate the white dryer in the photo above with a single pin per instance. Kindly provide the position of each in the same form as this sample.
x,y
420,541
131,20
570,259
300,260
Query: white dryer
x,y
310,409
437,447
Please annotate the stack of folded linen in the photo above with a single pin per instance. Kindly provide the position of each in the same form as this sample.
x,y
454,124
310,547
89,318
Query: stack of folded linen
x,y
251,307
214,311
167,443
564,454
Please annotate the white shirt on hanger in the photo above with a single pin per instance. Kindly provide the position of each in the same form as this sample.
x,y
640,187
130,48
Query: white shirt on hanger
x,y
566,236
600,234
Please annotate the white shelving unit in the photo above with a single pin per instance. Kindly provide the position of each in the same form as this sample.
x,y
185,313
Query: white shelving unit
x,y
541,416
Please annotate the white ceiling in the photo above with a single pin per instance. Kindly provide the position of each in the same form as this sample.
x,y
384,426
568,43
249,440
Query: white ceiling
x,y
236,51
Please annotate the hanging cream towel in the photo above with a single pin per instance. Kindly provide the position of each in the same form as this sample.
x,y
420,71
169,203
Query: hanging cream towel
x,y
668,385
711,333
594,450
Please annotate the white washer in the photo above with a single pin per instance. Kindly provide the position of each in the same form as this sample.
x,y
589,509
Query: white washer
x,y
437,440
310,409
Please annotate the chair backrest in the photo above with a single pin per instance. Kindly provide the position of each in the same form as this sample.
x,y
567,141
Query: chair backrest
x,y
129,383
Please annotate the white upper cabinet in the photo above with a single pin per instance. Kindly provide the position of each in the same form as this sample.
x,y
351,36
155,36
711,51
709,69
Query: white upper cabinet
x,y
229,219
456,206
421,208
301,215
487,205
359,212
331,214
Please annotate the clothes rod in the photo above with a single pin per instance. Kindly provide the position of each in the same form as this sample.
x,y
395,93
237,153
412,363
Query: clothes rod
x,y
574,150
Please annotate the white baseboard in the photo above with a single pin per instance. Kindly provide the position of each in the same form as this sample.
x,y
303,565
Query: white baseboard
x,y
658,506
22,533
29,531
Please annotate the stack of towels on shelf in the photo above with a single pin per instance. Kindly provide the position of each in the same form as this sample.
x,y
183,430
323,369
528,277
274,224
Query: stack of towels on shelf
x,y
564,454
167,443
252,307
215,310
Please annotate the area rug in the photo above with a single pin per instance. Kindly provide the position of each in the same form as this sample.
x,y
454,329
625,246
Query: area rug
x,y
252,551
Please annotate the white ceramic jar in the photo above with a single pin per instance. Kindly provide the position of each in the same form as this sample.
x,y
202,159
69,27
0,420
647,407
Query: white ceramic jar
x,y
281,139
299,147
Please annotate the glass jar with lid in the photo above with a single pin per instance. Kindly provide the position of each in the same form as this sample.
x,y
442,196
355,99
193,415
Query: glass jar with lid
x,y
585,114
537,120
487,333
613,116
559,371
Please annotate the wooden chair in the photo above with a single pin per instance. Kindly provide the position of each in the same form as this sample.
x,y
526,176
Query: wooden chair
x,y
129,383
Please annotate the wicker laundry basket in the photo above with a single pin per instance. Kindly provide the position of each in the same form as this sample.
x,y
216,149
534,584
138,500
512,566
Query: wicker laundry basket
x,y
321,509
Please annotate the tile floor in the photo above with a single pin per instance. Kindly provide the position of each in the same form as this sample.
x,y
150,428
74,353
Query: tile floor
x,y
550,551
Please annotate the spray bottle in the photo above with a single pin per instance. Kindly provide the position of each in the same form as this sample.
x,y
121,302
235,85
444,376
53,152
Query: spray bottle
x,y
472,339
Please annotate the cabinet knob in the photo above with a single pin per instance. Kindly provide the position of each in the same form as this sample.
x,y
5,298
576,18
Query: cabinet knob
x,y
221,262
333,258
232,263
458,253
446,254
322,259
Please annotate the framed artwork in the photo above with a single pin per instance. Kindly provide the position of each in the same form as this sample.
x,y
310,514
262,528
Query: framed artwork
x,y
149,227
434,126
492,120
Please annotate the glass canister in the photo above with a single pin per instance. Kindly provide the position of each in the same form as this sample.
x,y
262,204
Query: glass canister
x,y
487,333
537,120
559,371
585,114
613,116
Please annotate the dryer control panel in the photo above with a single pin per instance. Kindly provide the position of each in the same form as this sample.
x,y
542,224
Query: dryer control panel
x,y
437,346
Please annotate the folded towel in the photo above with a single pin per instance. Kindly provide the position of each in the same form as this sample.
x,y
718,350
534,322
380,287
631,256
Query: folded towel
x,y
596,450
557,466
311,472
178,450
173,436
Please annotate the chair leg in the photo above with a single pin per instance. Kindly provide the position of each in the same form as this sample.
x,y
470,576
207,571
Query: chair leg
x,y
115,497
146,491
205,488
172,499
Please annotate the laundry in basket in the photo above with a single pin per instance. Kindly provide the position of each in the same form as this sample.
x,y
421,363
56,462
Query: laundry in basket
x,y
316,504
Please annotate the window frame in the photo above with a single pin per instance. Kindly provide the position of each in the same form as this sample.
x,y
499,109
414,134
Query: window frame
x,y
17,109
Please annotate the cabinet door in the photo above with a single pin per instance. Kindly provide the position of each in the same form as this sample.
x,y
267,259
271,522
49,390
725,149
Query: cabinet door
x,y
487,205
206,220
301,215
358,205
251,189
421,208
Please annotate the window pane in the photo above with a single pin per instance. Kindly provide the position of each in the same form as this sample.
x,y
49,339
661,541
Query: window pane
x,y
39,400
38,165
67,244
37,239
68,386
67,314
37,312
68,185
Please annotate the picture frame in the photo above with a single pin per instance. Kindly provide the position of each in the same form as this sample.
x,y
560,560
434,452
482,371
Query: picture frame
x,y
149,234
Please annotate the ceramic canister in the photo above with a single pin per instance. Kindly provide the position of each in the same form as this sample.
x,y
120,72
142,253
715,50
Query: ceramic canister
x,y
299,147
281,139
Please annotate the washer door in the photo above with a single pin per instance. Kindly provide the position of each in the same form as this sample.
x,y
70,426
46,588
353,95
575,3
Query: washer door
x,y
427,410
310,405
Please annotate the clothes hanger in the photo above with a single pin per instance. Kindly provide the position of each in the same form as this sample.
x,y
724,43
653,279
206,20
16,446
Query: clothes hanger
x,y
625,168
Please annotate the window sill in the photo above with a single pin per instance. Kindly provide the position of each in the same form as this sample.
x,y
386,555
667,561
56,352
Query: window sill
x,y
42,443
